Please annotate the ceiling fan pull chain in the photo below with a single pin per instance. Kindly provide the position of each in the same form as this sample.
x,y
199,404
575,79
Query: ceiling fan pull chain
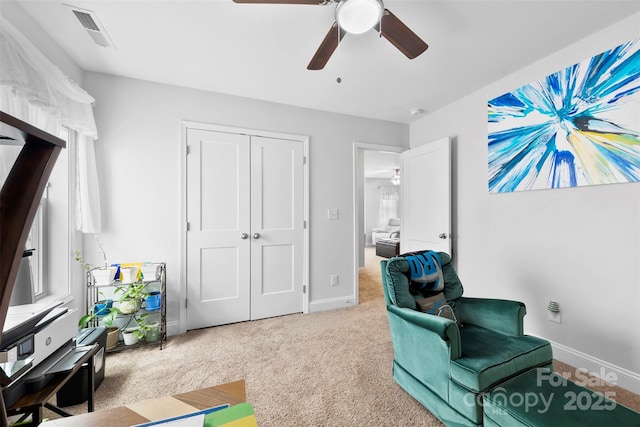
x,y
339,51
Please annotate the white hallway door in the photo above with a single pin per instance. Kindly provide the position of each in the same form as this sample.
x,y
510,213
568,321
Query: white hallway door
x,y
426,198
245,210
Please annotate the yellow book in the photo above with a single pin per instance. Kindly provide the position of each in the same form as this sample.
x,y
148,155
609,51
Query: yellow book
x,y
133,264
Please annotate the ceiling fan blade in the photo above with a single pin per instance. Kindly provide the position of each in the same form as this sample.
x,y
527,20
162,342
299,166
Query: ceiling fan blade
x,y
401,36
316,2
328,45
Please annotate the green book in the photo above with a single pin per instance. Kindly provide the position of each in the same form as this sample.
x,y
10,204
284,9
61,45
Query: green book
x,y
240,415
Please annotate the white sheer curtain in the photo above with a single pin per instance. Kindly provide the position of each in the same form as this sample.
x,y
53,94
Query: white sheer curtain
x,y
389,197
36,91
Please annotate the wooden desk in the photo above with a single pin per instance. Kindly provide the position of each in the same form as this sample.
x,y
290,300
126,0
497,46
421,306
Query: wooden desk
x,y
34,402
124,416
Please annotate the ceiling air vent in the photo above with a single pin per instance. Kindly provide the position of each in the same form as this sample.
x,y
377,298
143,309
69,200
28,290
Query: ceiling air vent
x,y
91,24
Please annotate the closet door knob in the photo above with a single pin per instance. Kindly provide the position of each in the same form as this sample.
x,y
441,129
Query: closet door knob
x,y
244,236
443,236
256,235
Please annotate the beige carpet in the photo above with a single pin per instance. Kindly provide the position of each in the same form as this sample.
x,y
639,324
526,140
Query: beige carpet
x,y
323,369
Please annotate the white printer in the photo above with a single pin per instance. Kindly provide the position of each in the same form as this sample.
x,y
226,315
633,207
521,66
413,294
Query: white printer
x,y
33,333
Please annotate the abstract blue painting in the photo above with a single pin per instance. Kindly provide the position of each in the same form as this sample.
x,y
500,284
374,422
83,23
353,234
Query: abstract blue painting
x,y
579,126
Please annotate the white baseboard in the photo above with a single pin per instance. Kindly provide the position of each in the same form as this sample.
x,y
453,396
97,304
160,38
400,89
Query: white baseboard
x,y
331,303
173,328
614,374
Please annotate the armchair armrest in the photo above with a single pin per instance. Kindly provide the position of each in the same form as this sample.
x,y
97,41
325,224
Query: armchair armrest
x,y
504,316
444,328
424,346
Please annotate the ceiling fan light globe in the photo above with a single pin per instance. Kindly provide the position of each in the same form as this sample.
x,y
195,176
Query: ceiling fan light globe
x,y
358,16
395,179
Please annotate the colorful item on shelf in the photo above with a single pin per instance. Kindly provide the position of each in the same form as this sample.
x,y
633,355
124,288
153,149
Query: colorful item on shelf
x,y
154,301
129,272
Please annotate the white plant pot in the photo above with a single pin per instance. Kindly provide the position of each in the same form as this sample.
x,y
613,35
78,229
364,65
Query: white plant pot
x,y
104,276
150,273
128,274
129,306
129,336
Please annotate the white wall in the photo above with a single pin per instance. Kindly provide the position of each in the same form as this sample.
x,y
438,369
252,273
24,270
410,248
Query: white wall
x,y
580,246
138,168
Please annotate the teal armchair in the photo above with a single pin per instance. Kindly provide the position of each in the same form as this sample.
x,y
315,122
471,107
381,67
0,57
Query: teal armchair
x,y
447,366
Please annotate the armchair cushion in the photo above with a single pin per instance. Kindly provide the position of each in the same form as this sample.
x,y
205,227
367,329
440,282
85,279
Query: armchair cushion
x,y
398,273
489,357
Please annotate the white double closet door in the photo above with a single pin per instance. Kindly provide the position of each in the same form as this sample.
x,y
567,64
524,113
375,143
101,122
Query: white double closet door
x,y
245,213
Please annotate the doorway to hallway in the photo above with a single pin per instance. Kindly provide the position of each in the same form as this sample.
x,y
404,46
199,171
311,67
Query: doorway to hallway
x,y
362,228
370,277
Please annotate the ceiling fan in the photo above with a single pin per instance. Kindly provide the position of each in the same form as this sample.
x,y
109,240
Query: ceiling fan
x,y
357,17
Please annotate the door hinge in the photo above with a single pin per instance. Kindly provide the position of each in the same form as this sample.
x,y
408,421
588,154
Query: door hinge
x,y
304,224
186,302
188,226
304,289
188,150
304,160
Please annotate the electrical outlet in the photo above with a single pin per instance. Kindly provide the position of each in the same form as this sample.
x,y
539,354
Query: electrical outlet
x,y
335,280
554,317
332,213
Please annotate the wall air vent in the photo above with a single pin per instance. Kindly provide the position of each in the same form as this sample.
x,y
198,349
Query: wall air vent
x,y
91,24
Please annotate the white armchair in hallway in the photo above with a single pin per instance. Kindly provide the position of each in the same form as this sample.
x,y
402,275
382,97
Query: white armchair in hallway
x,y
391,230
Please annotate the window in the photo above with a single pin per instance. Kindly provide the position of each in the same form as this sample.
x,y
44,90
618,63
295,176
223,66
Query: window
x,y
36,242
50,233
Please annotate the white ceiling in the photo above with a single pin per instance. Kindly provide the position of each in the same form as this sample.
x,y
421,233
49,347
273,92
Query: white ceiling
x,y
261,51
379,164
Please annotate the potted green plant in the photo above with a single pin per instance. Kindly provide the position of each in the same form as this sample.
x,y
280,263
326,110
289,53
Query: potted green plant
x,y
147,330
107,320
133,334
152,332
143,327
101,275
102,306
130,335
131,297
